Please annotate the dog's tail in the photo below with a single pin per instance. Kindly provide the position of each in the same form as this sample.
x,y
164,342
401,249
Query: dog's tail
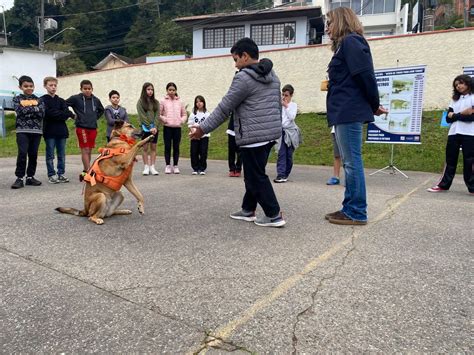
x,y
70,210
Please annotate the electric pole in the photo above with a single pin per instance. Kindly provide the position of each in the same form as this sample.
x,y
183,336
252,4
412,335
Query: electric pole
x,y
41,27
466,14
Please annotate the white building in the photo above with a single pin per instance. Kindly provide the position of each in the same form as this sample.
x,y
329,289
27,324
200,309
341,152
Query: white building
x,y
15,62
289,24
274,28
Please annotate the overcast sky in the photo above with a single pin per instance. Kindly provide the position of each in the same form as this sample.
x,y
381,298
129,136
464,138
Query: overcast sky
x,y
7,3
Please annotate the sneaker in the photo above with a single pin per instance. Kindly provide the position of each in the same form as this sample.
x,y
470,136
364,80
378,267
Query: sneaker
x,y
153,171
194,172
231,173
333,181
436,189
168,169
176,170
18,184
341,218
265,221
280,179
62,179
31,181
53,179
244,215
333,214
237,174
81,175
202,173
146,170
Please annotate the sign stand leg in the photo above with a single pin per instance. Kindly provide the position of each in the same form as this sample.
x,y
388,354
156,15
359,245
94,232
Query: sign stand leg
x,y
393,169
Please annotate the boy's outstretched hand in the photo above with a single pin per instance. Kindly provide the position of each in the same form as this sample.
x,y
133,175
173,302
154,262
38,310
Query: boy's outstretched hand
x,y
195,132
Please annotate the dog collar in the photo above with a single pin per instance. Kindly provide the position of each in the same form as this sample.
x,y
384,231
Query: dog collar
x,y
127,139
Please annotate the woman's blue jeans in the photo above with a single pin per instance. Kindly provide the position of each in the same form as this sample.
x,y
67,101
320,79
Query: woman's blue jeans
x,y
60,145
349,140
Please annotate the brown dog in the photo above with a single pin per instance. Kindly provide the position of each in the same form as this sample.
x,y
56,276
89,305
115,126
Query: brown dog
x,y
108,173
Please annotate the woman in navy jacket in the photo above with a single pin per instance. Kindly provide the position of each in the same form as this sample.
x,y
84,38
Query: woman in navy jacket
x,y
352,100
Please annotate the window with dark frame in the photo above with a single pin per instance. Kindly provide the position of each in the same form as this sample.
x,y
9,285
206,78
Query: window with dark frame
x,y
274,33
222,37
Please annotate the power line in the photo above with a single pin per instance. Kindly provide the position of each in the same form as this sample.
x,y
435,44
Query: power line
x,y
105,10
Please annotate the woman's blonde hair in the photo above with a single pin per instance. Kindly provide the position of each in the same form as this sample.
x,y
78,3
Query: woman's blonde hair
x,y
344,21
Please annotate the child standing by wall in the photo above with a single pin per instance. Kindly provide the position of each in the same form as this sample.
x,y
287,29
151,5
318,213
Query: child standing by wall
x,y
461,134
88,110
291,135
233,152
114,112
173,115
148,109
29,128
55,130
335,179
199,147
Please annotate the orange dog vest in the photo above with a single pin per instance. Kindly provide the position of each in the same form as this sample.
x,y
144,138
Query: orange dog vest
x,y
95,174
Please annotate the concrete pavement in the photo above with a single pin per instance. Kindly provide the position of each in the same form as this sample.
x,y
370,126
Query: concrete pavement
x,y
186,278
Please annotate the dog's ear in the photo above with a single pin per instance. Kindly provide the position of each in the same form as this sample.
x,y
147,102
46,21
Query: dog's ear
x,y
118,124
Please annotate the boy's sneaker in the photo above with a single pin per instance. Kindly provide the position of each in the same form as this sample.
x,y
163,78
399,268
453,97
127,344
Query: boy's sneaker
x,y
202,173
146,170
194,172
153,171
31,181
237,174
334,215
81,175
436,189
333,181
62,179
344,220
18,184
280,179
244,215
53,179
265,221
168,169
231,173
176,170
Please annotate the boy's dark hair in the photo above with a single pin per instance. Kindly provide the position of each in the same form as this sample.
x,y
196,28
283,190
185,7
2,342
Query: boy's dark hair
x,y
203,100
25,79
148,103
173,85
85,82
114,92
245,45
288,88
465,79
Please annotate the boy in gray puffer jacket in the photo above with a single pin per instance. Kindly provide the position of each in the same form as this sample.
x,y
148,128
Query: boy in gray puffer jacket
x,y
254,98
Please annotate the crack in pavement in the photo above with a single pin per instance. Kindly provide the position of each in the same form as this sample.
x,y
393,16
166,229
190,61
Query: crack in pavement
x,y
155,309
392,204
217,343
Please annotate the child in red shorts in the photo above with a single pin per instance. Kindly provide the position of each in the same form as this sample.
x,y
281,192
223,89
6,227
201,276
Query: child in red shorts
x,y
88,110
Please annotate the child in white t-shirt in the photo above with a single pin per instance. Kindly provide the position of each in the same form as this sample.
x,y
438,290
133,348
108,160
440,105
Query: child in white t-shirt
x,y
199,147
461,134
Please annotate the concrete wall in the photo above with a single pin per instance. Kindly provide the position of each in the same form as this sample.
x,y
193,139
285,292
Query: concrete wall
x,y
444,53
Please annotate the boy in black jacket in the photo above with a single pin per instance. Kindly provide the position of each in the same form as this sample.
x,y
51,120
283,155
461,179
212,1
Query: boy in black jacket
x,y
55,131
29,127
88,110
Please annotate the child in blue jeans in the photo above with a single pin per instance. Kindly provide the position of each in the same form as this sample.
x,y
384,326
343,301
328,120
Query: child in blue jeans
x,y
291,136
55,130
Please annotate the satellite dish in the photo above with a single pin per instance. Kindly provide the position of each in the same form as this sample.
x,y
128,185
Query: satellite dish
x,y
289,33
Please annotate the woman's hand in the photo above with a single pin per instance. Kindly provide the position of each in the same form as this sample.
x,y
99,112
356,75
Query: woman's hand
x,y
153,131
450,114
195,132
381,111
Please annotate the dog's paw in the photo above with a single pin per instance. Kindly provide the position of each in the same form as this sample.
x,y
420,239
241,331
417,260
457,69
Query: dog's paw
x,y
98,221
141,209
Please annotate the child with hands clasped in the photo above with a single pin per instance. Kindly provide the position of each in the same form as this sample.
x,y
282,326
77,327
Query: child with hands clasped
x,y
199,147
148,109
291,136
29,128
173,115
461,134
